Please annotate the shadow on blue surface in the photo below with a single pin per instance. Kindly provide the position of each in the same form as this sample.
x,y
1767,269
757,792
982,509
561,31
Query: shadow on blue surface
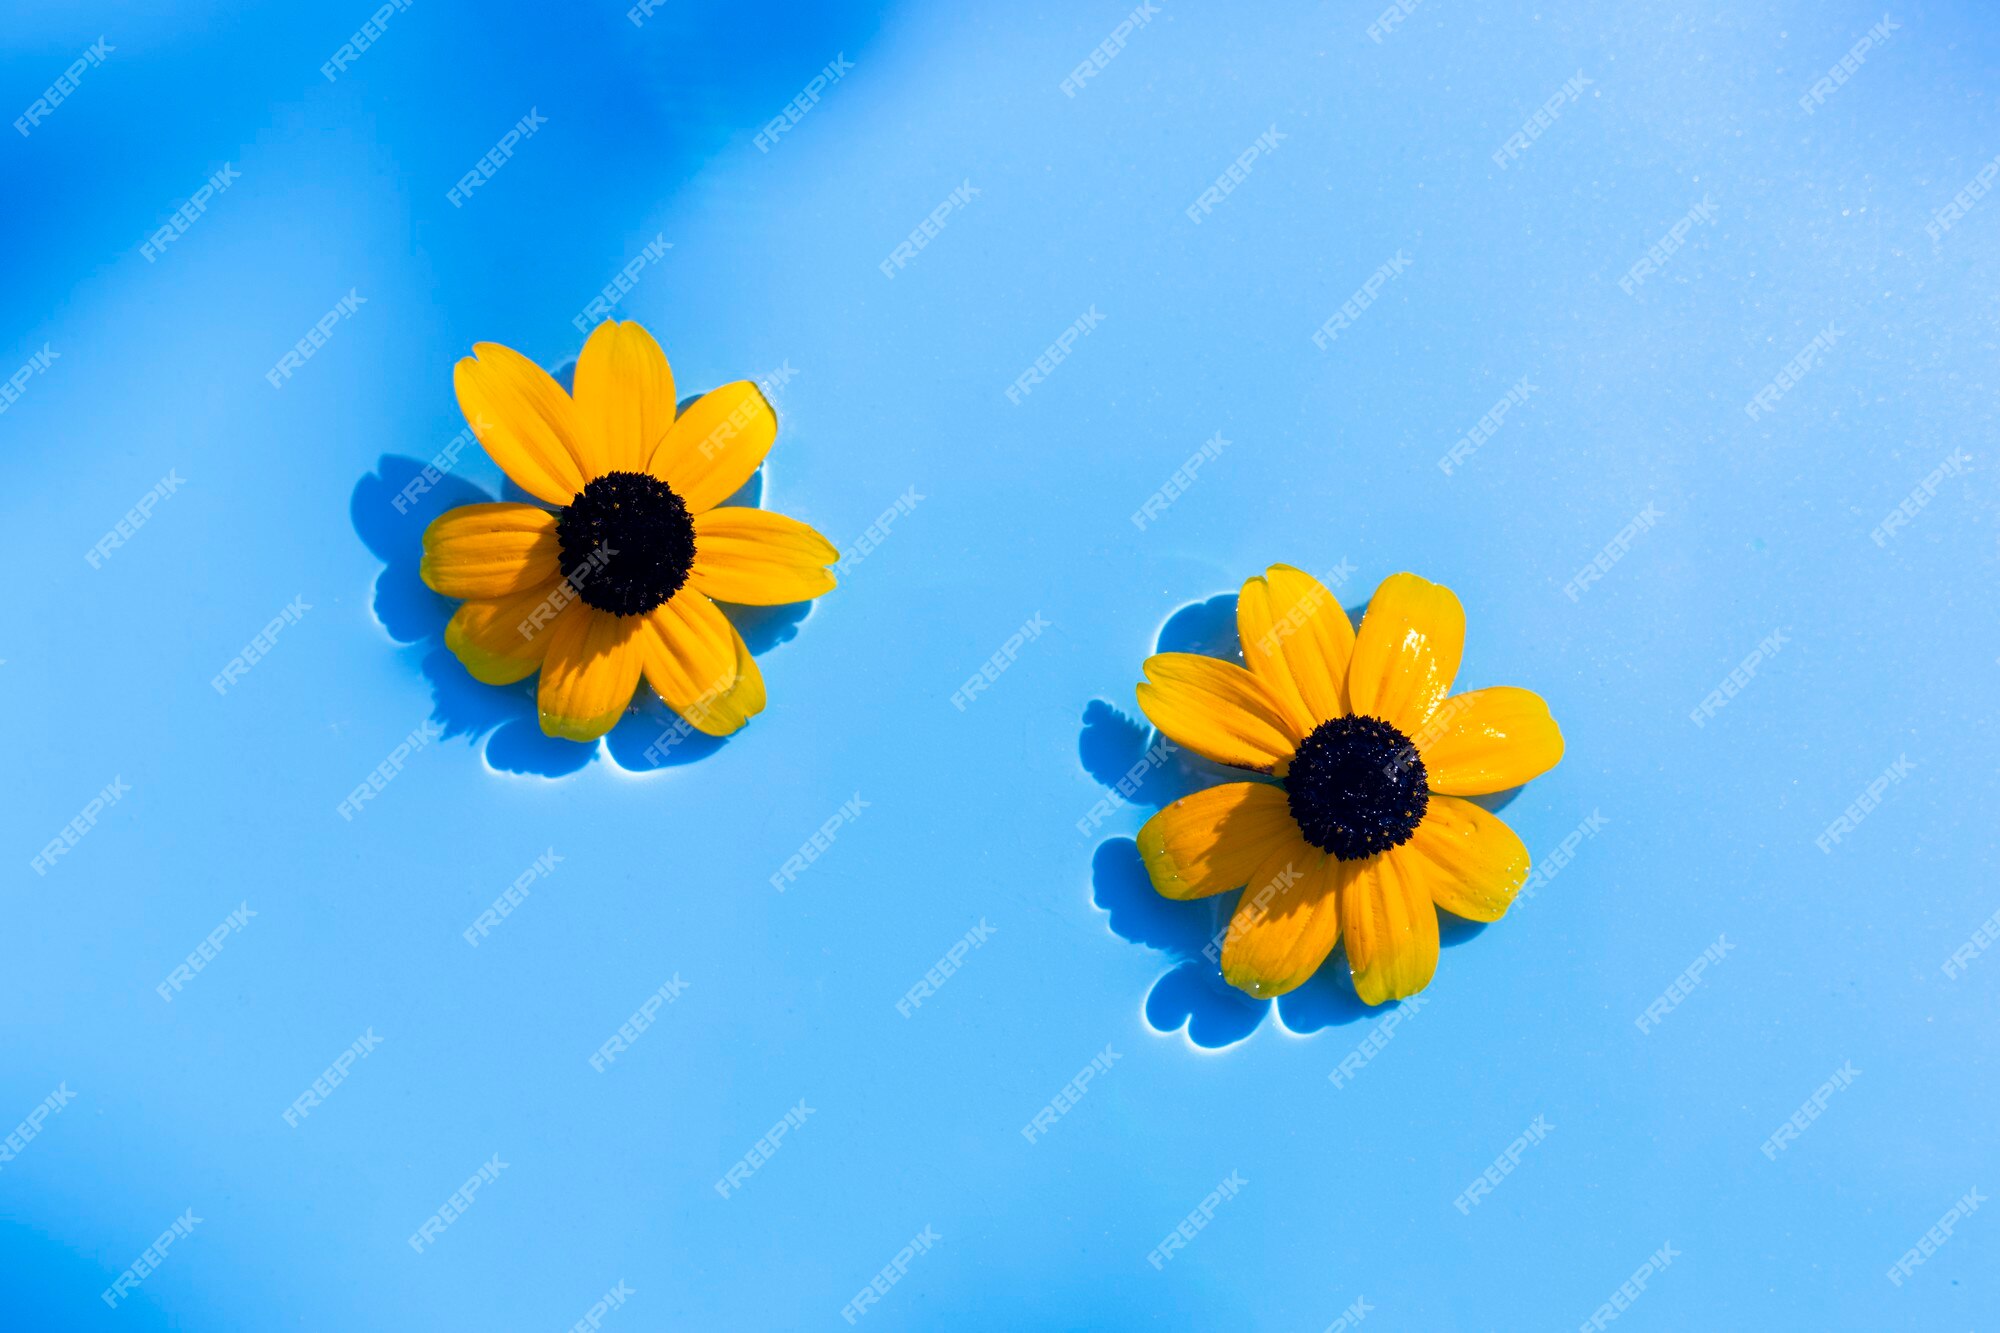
x,y
390,509
46,1278
1136,764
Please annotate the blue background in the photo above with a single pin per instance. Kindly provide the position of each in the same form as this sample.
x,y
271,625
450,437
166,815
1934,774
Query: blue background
x,y
983,814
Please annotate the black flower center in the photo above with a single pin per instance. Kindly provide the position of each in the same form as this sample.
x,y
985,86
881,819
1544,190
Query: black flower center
x,y
627,543
1357,787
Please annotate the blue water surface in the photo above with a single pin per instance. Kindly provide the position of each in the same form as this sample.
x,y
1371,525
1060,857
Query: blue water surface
x,y
1075,316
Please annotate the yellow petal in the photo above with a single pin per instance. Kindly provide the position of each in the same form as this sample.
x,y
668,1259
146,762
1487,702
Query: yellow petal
x,y
1407,652
590,673
624,396
1287,922
716,444
699,666
502,640
1297,639
756,558
1488,740
1213,841
525,420
490,550
1468,860
1391,927
1218,710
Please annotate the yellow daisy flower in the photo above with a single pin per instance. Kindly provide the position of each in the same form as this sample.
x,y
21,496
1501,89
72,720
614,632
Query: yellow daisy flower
x,y
1368,829
621,578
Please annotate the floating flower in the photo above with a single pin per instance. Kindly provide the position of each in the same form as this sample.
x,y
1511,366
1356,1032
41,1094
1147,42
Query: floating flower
x,y
621,578
1367,829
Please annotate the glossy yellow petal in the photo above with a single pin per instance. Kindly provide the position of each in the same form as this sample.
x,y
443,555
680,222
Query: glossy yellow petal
x,y
1214,840
1391,927
1218,710
1287,921
624,396
1488,740
1407,652
590,672
716,444
756,558
504,639
490,550
1466,858
1297,639
699,666
1264,657
525,420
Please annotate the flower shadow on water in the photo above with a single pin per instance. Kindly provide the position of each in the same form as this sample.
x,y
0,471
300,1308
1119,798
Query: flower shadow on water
x,y
390,509
46,1273
1125,755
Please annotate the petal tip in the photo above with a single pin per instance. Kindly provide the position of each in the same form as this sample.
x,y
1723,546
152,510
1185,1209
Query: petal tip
x,y
1258,986
1161,868
577,729
1376,988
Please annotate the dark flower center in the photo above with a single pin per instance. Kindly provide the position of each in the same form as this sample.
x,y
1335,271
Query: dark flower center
x,y
1357,787
627,543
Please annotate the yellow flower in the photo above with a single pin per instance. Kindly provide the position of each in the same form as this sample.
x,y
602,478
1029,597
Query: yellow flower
x,y
1368,829
621,578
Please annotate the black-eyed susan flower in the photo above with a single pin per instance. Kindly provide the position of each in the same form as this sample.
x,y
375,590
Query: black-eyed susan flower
x,y
1367,829
620,578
